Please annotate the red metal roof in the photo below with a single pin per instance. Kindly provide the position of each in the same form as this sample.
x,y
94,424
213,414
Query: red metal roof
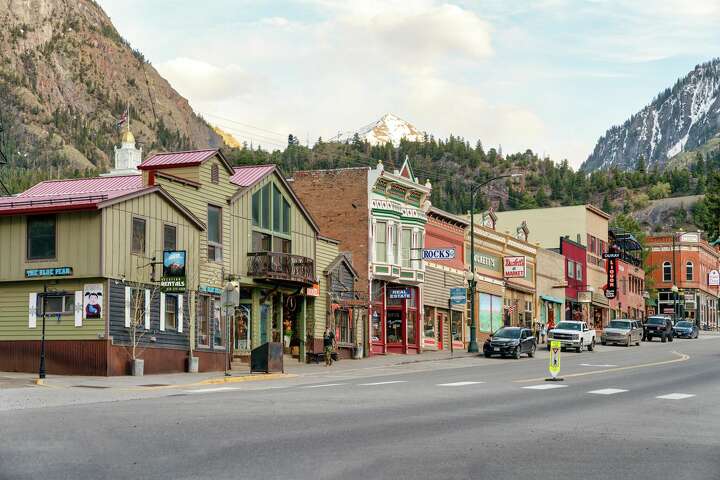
x,y
247,176
177,159
73,194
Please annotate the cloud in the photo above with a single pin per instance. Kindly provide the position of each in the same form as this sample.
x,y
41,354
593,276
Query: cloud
x,y
201,81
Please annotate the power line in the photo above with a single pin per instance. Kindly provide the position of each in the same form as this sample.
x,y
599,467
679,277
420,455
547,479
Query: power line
x,y
242,124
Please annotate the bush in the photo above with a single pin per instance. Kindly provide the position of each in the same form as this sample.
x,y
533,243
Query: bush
x,y
639,201
659,190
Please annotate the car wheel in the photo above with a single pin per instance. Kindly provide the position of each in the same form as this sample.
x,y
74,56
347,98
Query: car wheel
x,y
580,348
663,339
637,344
517,353
591,347
697,334
629,341
670,337
487,355
531,353
603,342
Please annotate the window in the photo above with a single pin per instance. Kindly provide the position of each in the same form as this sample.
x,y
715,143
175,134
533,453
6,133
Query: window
x,y
456,325
262,242
204,308
171,312
343,326
570,269
277,206
689,271
395,230
406,247
578,272
56,304
218,325
169,237
41,237
214,233
137,307
138,235
429,323
270,210
667,272
215,174
281,245
593,244
381,242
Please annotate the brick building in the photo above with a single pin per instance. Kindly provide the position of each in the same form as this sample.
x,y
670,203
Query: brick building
x,y
577,296
686,261
629,301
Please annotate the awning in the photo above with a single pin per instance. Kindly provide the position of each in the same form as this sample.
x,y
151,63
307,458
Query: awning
x,y
552,299
599,300
519,288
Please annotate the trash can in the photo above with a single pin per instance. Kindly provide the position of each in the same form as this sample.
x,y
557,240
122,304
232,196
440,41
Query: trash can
x,y
358,352
267,358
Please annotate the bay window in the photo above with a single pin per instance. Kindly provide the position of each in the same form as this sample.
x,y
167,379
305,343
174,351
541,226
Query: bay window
x,y
406,247
381,242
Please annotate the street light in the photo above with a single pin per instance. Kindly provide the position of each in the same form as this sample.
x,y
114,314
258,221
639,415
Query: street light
x,y
472,344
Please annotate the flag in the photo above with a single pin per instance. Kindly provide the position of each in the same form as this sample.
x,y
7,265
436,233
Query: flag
x,y
511,309
123,119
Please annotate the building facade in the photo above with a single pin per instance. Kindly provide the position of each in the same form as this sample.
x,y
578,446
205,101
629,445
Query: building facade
x,y
629,300
551,283
577,298
689,263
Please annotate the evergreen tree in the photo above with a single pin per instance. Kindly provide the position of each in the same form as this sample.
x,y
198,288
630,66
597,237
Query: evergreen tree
x,y
707,216
606,205
640,165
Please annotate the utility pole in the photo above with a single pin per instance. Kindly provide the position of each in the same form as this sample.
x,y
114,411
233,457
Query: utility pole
x,y
41,373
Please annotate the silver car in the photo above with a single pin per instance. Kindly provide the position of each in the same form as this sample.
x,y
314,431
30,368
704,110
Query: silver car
x,y
622,331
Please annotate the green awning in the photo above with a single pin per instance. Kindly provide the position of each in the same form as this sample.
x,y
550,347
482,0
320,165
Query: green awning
x,y
549,298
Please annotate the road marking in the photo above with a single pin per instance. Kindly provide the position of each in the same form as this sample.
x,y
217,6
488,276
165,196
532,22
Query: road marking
x,y
675,396
458,384
547,386
607,391
382,383
592,365
324,385
683,358
211,390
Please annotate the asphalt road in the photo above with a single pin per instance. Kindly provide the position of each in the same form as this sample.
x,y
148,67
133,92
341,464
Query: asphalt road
x,y
648,412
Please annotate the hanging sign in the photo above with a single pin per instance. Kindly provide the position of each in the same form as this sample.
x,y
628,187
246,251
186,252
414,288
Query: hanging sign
x,y
514,267
611,290
174,278
439,253
48,272
92,300
714,278
313,291
398,293
554,366
458,296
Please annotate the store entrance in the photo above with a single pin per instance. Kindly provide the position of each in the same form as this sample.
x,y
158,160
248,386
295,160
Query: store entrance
x,y
393,326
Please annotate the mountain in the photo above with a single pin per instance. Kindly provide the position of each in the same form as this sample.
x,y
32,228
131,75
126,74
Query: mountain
x,y
66,76
681,119
389,129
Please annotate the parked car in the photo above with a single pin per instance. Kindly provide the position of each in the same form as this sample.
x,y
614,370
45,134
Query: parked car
x,y
658,326
622,331
685,329
510,341
575,335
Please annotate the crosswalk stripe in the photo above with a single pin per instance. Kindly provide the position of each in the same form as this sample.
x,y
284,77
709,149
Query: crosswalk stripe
x,y
545,386
383,383
607,391
675,396
458,384
211,390
324,385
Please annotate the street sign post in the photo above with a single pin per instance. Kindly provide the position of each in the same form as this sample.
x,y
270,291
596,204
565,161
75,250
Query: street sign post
x,y
554,366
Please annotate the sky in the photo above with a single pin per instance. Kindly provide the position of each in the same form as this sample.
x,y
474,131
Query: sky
x,y
549,75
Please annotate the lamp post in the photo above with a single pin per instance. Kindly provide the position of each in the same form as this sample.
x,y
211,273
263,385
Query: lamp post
x,y
472,344
41,373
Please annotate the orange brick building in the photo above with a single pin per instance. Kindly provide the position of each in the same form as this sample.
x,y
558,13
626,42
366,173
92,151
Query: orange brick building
x,y
685,260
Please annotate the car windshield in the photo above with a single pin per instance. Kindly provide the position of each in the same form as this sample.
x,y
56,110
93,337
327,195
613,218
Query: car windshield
x,y
619,324
656,321
568,326
684,324
507,333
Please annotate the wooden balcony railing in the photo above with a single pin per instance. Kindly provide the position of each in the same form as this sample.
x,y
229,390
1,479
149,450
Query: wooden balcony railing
x,y
281,266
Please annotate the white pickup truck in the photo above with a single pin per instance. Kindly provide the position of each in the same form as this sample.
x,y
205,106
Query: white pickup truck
x,y
575,335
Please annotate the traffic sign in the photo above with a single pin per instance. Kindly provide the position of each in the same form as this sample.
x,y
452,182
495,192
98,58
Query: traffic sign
x,y
554,358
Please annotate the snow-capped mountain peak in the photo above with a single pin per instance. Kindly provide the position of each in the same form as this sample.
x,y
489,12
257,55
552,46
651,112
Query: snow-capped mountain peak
x,y
389,129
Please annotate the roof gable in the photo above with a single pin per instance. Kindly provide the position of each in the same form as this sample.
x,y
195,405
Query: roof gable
x,y
189,158
342,260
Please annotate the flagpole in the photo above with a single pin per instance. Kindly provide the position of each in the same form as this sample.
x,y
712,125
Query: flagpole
x,y
128,119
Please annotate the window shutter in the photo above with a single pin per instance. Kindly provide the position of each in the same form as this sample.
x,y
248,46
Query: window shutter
x,y
32,311
128,306
147,309
78,308
180,313
162,312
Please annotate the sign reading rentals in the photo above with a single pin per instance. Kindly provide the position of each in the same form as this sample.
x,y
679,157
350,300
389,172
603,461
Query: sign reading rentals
x,y
174,279
514,267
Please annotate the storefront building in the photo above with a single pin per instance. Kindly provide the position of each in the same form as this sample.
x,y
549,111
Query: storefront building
x,y
629,298
577,297
379,217
551,282
689,263
445,289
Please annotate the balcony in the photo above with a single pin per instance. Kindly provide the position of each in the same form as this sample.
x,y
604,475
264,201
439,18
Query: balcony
x,y
281,267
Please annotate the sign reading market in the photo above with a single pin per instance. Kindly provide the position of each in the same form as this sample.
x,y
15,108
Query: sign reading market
x,y
514,267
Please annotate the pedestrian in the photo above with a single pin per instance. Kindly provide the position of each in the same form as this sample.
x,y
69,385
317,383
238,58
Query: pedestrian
x,y
543,333
328,345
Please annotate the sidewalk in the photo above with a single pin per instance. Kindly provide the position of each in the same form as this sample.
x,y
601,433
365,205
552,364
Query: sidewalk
x,y
292,369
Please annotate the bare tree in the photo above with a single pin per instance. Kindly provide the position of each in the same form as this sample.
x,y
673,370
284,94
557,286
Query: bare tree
x,y
139,302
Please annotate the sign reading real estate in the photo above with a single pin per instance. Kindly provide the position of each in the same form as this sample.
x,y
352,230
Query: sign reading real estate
x,y
174,279
611,289
458,296
398,293
48,272
439,253
514,267
714,278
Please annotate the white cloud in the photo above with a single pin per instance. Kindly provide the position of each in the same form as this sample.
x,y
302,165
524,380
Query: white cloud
x,y
201,81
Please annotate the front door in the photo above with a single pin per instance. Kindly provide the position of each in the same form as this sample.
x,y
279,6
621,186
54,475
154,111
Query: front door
x,y
442,320
242,328
393,326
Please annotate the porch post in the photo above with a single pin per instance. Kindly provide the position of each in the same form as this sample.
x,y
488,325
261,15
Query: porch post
x,y
303,330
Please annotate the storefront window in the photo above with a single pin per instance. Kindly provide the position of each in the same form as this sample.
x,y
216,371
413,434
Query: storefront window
x,y
496,317
429,323
376,327
456,323
343,326
242,327
411,323
485,312
394,326
204,306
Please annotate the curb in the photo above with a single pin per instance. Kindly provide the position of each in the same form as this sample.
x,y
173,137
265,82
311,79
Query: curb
x,y
242,378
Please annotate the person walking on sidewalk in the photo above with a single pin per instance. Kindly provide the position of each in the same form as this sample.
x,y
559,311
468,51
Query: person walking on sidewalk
x,y
328,345
543,333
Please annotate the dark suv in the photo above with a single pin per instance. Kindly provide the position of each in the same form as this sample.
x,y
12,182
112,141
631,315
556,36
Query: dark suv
x,y
658,326
510,341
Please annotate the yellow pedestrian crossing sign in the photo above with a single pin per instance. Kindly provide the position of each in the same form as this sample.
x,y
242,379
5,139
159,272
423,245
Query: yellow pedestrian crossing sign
x,y
554,358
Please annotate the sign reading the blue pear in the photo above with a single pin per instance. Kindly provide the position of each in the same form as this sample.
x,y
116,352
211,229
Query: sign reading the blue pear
x,y
439,253
48,272
174,279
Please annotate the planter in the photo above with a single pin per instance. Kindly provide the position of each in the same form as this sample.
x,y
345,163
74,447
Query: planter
x,y
138,367
358,352
193,364
295,351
